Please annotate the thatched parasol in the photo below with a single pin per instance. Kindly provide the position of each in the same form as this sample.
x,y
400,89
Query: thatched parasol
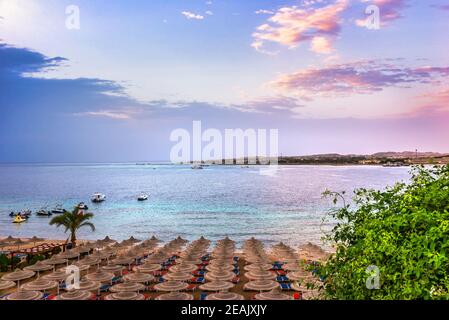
x,y
75,295
100,276
171,286
18,275
148,267
260,275
221,275
225,296
7,284
178,276
39,285
183,267
274,294
261,285
217,286
178,296
25,295
127,287
125,296
139,277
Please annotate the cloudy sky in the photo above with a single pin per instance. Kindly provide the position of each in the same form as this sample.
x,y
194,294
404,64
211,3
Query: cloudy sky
x,y
316,70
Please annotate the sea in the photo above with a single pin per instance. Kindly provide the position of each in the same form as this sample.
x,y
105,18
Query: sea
x,y
218,201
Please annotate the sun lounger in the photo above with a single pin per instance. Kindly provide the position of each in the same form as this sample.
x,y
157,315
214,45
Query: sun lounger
x,y
203,296
198,280
286,286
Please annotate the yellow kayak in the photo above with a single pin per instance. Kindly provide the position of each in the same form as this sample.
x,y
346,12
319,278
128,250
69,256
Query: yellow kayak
x,y
18,219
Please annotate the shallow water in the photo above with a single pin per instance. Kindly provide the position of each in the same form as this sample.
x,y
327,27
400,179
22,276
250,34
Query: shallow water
x,y
217,201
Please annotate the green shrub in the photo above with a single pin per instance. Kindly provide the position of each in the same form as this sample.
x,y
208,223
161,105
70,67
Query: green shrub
x,y
403,231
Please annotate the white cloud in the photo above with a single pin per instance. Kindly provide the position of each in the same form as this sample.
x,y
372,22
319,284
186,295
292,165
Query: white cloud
x,y
191,15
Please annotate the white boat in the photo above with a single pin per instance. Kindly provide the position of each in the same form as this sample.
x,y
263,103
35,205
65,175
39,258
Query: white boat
x,y
142,197
197,167
98,197
58,209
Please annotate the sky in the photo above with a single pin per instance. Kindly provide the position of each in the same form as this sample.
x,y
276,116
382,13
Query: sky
x,y
109,80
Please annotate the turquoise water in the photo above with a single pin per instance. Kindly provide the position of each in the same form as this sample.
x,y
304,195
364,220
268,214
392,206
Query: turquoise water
x,y
215,202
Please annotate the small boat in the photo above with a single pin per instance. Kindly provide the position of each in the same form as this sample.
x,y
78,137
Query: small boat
x,y
44,213
98,197
58,209
142,197
82,206
24,213
19,219
197,167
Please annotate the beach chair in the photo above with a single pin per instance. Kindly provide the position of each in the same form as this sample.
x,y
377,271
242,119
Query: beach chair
x,y
199,273
282,279
281,272
105,288
235,280
116,280
198,280
285,286
203,296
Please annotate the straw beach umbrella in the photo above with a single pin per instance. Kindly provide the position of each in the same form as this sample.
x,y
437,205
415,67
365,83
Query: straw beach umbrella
x,y
258,266
125,296
69,254
18,275
90,261
39,267
171,286
35,239
80,267
56,276
300,276
127,287
148,267
178,276
54,261
261,285
260,275
219,268
183,267
25,295
87,285
274,294
224,295
221,275
39,285
75,295
113,268
7,285
217,286
176,296
139,277
100,276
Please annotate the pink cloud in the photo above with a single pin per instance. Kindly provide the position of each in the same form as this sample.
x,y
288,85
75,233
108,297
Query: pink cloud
x,y
361,77
290,26
389,10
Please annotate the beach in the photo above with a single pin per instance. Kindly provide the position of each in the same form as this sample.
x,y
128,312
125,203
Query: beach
x,y
225,252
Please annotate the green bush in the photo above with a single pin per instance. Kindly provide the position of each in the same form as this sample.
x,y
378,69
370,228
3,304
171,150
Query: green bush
x,y
403,231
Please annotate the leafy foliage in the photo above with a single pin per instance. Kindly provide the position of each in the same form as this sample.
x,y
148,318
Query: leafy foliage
x,y
403,231
72,221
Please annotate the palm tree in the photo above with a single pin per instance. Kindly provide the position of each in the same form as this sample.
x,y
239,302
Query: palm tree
x,y
72,221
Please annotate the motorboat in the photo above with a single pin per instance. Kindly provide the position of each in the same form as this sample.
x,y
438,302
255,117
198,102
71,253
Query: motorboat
x,y
82,206
44,213
197,167
19,219
98,197
23,213
142,197
58,209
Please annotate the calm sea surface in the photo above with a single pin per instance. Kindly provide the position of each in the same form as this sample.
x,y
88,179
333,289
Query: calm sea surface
x,y
215,202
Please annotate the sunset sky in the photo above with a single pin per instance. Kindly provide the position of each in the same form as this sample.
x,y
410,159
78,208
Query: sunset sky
x,y
115,88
